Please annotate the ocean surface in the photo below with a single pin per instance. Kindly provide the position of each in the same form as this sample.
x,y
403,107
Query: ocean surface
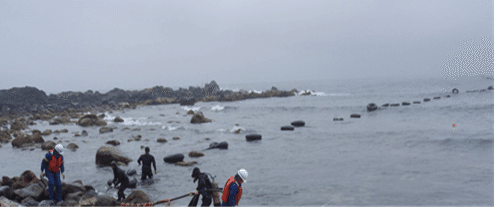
x,y
397,156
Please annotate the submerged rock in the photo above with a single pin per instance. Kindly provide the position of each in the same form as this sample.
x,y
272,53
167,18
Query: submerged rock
x,y
106,154
199,118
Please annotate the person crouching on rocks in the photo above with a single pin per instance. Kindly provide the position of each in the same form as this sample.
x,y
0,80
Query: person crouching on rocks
x,y
53,165
203,184
119,177
147,159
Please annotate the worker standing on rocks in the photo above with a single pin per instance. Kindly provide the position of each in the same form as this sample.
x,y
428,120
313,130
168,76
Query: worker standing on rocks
x,y
53,165
203,184
147,159
119,177
232,191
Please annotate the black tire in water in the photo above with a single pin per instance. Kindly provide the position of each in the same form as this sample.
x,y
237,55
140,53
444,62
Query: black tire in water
x,y
355,116
287,128
298,123
174,158
371,107
385,105
426,99
436,97
405,103
416,102
455,91
395,105
253,137
131,172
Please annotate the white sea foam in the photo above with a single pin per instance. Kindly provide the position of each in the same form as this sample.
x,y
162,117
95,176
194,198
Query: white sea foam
x,y
217,108
170,127
186,108
235,128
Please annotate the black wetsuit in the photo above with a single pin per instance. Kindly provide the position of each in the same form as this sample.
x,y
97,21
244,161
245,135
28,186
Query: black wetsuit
x,y
119,176
147,159
203,184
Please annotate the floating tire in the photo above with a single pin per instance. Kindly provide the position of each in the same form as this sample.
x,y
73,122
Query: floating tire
x,y
341,119
174,158
455,91
426,100
405,103
395,105
335,119
355,116
221,145
253,137
287,128
131,172
385,105
490,87
436,97
416,102
371,107
298,123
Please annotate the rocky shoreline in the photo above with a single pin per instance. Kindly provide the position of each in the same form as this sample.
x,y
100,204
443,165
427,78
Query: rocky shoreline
x,y
30,100
28,190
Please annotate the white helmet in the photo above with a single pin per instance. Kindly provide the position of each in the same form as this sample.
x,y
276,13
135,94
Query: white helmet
x,y
59,148
243,174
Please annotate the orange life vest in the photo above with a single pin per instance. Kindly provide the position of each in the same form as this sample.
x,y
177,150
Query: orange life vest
x,y
226,191
54,164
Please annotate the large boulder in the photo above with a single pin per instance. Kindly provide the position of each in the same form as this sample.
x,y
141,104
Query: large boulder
x,y
68,189
72,146
105,130
101,122
29,202
37,138
87,120
6,191
199,118
27,177
33,190
118,119
137,197
106,154
22,141
48,145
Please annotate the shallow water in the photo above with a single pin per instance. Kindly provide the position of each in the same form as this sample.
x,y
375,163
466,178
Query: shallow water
x,y
397,156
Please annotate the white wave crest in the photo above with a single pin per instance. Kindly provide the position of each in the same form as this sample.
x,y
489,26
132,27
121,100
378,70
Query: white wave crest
x,y
217,108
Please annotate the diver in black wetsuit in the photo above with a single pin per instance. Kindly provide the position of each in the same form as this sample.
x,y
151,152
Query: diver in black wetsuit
x,y
203,185
147,159
119,176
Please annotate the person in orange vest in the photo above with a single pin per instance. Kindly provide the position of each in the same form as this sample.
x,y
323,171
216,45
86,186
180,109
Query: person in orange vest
x,y
53,166
232,191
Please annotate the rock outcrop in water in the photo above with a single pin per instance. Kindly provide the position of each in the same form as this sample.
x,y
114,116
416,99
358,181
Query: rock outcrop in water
x,y
30,100
106,154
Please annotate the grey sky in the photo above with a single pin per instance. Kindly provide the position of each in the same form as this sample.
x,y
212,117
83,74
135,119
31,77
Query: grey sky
x,y
80,45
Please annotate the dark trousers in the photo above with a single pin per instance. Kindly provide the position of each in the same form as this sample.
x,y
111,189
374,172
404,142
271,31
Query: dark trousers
x,y
122,187
146,173
206,200
54,181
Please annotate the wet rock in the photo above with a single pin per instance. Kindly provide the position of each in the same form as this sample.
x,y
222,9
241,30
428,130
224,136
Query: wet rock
x,y
5,136
48,145
385,105
101,123
100,200
190,112
161,140
64,130
105,130
436,97
113,142
185,164
47,132
46,203
17,125
426,99
68,189
174,158
238,131
8,203
126,128
26,178
196,154
87,120
199,118
77,134
72,146
188,102
6,181
33,190
6,191
84,133
106,154
29,202
137,197
136,129
225,145
67,203
118,119
100,117
176,138
22,142
37,138
56,132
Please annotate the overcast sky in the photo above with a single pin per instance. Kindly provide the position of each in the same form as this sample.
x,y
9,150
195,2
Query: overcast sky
x,y
79,45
